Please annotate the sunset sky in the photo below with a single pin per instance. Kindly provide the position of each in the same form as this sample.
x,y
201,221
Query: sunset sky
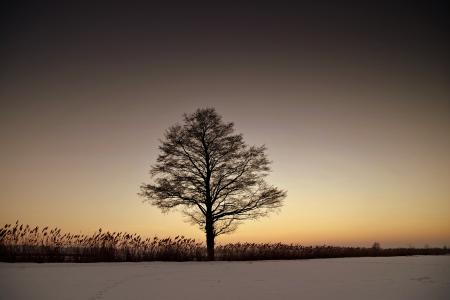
x,y
352,102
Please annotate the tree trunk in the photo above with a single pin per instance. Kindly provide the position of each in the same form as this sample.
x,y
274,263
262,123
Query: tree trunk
x,y
210,238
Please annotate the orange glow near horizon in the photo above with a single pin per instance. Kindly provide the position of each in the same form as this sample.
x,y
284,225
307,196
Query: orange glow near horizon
x,y
342,189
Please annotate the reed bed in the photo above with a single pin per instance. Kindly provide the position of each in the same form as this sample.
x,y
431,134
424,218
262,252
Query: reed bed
x,y
279,251
22,243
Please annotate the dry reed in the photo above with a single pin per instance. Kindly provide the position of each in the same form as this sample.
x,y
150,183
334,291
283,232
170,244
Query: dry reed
x,y
22,243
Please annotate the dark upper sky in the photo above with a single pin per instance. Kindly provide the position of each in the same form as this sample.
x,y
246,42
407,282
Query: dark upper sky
x,y
54,45
61,44
356,92
117,37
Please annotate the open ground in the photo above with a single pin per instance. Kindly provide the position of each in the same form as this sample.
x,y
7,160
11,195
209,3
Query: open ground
x,y
412,277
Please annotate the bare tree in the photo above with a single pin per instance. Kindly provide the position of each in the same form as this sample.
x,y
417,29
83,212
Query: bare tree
x,y
208,170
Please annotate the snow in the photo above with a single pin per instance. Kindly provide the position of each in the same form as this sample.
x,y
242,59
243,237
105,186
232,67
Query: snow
x,y
418,277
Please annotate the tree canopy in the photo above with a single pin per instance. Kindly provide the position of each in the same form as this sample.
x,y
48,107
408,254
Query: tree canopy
x,y
208,170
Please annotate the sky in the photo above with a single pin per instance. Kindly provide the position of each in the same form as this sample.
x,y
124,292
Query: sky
x,y
351,100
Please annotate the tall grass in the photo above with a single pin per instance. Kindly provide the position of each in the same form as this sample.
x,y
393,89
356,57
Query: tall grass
x,y
22,243
252,251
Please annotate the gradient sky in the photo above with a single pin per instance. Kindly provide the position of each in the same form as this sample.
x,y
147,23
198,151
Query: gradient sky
x,y
353,103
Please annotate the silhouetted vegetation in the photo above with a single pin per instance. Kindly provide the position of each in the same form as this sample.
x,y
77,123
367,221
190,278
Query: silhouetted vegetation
x,y
253,251
213,175
22,243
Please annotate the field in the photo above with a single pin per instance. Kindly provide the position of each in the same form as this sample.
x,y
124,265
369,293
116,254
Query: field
x,y
412,277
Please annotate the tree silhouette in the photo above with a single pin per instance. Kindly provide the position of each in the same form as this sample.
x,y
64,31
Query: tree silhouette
x,y
208,170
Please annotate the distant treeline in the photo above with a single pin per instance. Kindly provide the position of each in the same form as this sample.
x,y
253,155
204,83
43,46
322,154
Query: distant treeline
x,y
22,243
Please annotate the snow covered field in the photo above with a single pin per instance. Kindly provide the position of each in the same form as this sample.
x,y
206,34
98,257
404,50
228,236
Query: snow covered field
x,y
419,277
